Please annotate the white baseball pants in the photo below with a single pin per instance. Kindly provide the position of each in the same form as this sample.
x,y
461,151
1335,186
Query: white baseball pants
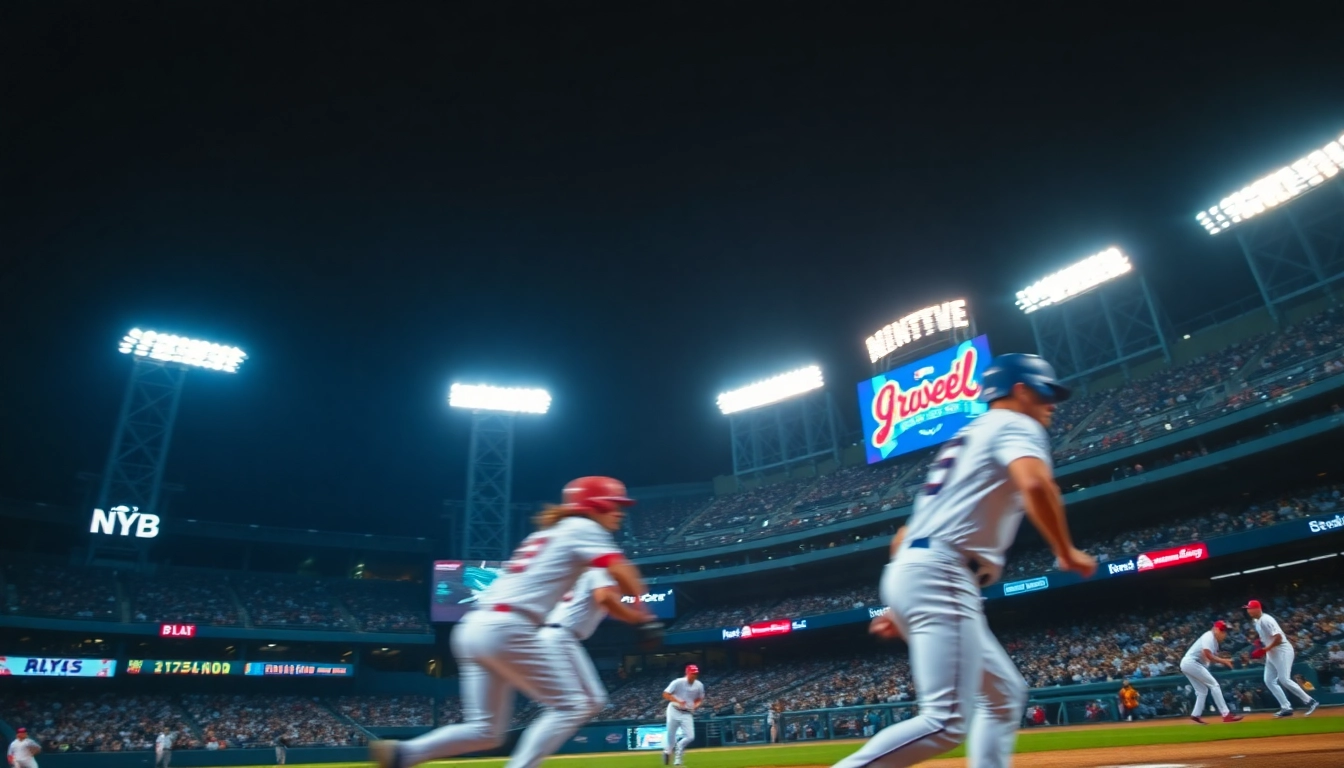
x,y
1204,683
1278,675
498,654
964,679
678,721
553,728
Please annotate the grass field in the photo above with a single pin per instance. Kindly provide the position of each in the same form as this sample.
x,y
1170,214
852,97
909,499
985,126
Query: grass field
x,y
826,753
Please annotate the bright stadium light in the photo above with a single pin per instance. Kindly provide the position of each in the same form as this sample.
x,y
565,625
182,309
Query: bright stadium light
x,y
939,318
483,397
772,390
168,348
1074,281
1275,189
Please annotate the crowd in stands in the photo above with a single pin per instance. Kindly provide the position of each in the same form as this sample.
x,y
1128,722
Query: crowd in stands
x,y
387,711
727,616
385,606
289,603
659,518
102,723
54,591
257,721
187,598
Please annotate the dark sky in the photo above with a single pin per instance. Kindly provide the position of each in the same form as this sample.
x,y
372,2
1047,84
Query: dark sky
x,y
635,208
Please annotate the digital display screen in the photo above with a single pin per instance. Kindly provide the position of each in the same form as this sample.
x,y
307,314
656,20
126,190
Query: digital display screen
x,y
179,667
456,585
646,737
31,666
298,669
923,403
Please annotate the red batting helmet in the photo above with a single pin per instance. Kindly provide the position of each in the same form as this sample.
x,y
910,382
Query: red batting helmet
x,y
597,494
691,669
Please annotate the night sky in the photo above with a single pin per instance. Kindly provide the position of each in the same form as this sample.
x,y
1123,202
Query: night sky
x,y
633,207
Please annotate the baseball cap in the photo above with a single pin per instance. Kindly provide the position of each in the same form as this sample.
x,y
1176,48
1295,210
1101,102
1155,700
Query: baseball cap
x,y
1220,625
1253,604
21,730
691,669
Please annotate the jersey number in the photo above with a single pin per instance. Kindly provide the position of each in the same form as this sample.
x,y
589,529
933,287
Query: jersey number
x,y
522,556
942,464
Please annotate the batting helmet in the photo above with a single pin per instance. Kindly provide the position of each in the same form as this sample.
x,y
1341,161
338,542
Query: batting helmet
x,y
598,494
691,669
1006,370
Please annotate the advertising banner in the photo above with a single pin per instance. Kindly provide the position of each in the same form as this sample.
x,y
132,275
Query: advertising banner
x,y
179,667
923,403
764,629
297,669
30,666
456,586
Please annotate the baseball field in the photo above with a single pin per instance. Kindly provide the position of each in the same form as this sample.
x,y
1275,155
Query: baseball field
x,y
1259,741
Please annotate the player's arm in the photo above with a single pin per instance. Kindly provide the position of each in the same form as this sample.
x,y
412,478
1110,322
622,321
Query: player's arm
x,y
896,541
1275,643
1214,659
669,697
609,600
627,577
1045,508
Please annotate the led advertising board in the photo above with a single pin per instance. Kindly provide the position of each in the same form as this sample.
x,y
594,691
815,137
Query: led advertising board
x,y
28,666
456,586
181,667
922,403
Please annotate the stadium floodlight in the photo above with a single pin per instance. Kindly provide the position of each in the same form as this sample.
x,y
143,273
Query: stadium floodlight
x,y
1074,280
167,348
1277,188
772,390
483,397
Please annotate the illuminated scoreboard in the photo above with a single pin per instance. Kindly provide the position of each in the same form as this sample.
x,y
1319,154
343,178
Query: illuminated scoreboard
x,y
252,668
298,669
180,667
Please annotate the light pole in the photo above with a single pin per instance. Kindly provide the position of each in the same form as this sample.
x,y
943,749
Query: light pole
x,y
486,531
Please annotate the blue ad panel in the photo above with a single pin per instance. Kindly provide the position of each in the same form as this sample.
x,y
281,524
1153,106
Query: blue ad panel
x,y
456,586
923,403
32,666
596,738
298,669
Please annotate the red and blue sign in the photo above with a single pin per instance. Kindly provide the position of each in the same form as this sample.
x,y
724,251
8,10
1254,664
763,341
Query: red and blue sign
x,y
923,403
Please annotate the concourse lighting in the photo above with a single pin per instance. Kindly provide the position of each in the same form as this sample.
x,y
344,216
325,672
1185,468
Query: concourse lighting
x,y
1273,190
168,348
483,397
1074,280
772,390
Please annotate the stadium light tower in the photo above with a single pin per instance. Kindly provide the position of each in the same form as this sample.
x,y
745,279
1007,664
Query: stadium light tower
x,y
1094,316
1293,242
486,533
133,474
781,421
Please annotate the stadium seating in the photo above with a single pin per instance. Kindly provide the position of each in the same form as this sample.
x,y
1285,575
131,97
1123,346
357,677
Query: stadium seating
x,y
189,598
257,721
387,711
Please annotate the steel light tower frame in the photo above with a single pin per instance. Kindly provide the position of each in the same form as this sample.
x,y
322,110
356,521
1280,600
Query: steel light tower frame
x,y
1086,325
785,434
487,520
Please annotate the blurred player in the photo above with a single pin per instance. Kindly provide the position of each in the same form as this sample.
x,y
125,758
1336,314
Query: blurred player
x,y
1195,666
684,695
574,620
23,751
163,749
964,520
1278,654
499,646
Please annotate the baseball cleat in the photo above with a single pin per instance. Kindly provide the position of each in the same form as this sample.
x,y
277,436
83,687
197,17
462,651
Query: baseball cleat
x,y
385,754
1311,707
1231,718
1284,713
666,758
1198,719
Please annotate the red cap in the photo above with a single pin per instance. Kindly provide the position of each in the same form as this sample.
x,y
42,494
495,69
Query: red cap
x,y
691,669
22,730
597,494
1220,625
1253,604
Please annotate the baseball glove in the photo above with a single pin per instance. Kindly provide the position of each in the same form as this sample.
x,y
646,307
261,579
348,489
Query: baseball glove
x,y
649,635
1258,653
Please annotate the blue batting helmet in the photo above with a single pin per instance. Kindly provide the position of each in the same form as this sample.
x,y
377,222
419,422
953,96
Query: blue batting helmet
x,y
1006,370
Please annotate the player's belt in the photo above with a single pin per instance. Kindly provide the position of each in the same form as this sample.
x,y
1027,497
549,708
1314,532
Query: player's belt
x,y
504,608
562,626
925,542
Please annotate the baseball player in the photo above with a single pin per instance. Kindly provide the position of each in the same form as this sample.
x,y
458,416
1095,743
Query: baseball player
x,y
684,695
574,620
1278,654
500,647
23,751
163,749
964,520
1195,666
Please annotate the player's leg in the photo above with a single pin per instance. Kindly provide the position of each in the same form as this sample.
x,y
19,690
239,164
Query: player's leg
x,y
687,736
552,728
670,736
937,608
999,707
1196,674
1284,666
1272,683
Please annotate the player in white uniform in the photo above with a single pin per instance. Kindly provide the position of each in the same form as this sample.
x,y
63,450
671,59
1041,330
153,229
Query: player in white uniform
x,y
500,647
1195,666
963,521
23,751
684,695
574,620
1278,654
163,749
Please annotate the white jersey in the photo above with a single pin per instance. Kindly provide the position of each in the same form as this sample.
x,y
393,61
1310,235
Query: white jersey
x,y
968,501
546,565
578,612
1266,627
21,751
689,692
1206,642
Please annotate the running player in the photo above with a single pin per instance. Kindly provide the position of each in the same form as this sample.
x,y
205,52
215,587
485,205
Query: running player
x,y
964,519
684,695
1278,654
499,646
574,620
1195,666
23,751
